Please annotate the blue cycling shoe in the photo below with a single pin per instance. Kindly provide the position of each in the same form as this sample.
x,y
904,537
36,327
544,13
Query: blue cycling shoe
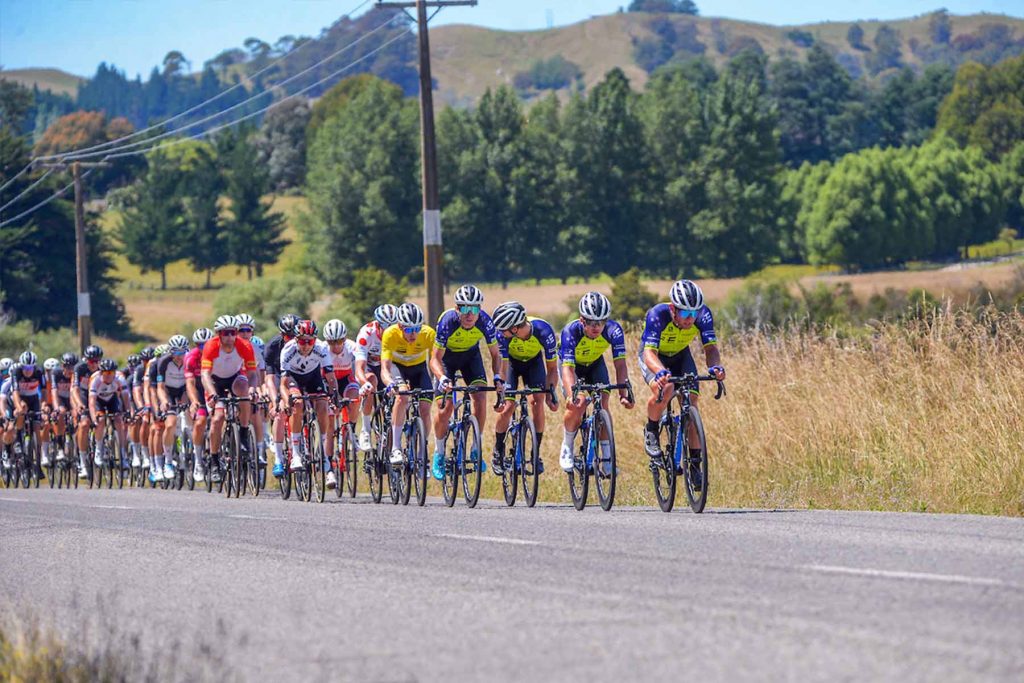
x,y
278,469
437,469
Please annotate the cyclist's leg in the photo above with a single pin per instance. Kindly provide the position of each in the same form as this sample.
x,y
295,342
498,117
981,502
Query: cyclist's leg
x,y
452,363
240,388
367,405
295,422
473,373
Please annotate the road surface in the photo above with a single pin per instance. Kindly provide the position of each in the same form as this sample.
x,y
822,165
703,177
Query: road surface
x,y
349,590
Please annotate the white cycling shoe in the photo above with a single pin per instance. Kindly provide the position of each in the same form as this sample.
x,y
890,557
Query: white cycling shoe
x,y
136,461
168,472
44,460
197,473
296,462
565,458
332,483
364,440
397,456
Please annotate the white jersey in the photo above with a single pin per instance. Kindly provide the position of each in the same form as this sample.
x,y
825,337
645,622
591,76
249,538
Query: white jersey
x,y
105,391
293,362
343,361
367,347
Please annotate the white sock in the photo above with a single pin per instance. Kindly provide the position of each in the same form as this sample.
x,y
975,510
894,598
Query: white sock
x,y
606,449
396,432
145,452
197,448
367,421
167,452
278,450
569,438
159,462
295,444
438,445
46,449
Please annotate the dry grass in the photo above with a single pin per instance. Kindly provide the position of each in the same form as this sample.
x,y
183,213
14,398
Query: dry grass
x,y
57,81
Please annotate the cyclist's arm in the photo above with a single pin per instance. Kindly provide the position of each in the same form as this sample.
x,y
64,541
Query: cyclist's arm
x,y
93,408
387,370
332,382
19,405
271,383
568,375
712,356
621,370
208,385
162,396
124,398
436,366
284,383
191,390
139,399
497,370
54,403
360,371
651,360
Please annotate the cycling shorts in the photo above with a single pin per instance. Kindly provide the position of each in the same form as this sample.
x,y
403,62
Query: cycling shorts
x,y
533,372
223,385
110,405
594,373
32,403
309,383
416,376
680,364
469,363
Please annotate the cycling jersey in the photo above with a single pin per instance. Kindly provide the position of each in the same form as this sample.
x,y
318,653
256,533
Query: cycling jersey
x,y
104,391
577,347
542,338
83,374
368,343
169,372
193,364
61,384
316,361
661,333
29,385
453,336
394,347
272,354
343,361
225,364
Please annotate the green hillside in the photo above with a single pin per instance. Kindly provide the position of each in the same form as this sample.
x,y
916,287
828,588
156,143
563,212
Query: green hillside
x,y
57,81
469,59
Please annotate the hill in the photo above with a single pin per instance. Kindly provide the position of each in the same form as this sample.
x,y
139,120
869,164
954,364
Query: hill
x,y
57,81
469,59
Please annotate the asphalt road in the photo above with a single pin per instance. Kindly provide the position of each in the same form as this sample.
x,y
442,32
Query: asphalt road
x,y
355,591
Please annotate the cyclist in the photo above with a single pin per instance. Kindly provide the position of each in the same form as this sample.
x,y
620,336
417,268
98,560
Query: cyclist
x,y
228,368
84,371
583,343
664,351
197,398
170,393
143,409
246,331
367,365
29,387
61,379
108,392
7,408
342,359
156,428
457,349
529,347
272,355
134,425
403,361
305,362
50,367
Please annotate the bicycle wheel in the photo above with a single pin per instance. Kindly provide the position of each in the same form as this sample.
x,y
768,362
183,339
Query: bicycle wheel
x,y
472,462
253,470
317,469
375,468
34,469
228,451
451,468
415,449
351,466
605,464
394,477
341,456
579,479
118,463
663,469
188,460
695,466
51,469
529,459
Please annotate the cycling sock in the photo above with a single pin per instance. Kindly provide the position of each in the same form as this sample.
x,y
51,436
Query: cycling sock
x,y
167,451
145,452
540,439
396,436
569,438
606,450
295,444
46,449
367,420
197,448
652,426
159,462
278,450
438,445
499,441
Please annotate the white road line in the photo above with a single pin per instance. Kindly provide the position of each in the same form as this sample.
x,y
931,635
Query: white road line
x,y
110,507
269,519
490,539
912,576
15,500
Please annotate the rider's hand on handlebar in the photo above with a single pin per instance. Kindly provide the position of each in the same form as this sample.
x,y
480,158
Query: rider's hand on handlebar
x,y
661,379
624,400
718,371
444,384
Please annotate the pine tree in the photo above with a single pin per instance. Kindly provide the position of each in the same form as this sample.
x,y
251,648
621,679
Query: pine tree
x,y
151,230
253,231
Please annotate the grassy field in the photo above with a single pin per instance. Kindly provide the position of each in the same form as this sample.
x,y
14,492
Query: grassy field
x,y
57,81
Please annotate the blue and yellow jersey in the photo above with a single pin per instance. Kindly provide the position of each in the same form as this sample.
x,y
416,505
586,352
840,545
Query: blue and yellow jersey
x,y
453,336
661,333
577,347
542,338
394,347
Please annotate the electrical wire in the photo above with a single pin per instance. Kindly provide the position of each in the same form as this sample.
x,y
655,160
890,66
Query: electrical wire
x,y
46,201
27,190
16,176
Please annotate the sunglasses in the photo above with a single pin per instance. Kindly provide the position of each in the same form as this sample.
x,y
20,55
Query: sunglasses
x,y
245,330
469,310
305,341
686,314
593,323
228,333
178,352
412,329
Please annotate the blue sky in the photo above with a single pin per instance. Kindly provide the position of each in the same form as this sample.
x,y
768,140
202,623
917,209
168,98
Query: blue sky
x,y
76,35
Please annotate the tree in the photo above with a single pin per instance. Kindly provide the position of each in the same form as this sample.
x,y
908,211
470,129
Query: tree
x,y
267,299
253,231
673,6
334,102
986,106
363,187
855,37
888,52
370,288
629,298
1012,172
1008,236
151,230
281,143
202,185
940,29
15,103
174,64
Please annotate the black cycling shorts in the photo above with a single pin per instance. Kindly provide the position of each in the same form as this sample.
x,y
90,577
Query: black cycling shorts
x,y
533,372
110,405
469,363
417,377
223,385
680,364
32,403
310,383
594,373
175,397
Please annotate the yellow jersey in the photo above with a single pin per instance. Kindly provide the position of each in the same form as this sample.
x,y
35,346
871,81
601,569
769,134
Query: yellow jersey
x,y
394,347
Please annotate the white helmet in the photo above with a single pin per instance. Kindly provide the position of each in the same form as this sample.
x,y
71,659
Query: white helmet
x,y
178,343
245,319
409,315
202,335
257,342
51,364
508,315
335,330
225,322
385,314
5,364
595,306
28,358
686,295
468,295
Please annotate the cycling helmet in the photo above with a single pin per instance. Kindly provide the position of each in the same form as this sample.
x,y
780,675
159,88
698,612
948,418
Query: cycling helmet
x,y
51,364
287,324
257,342
5,364
202,335
385,314
245,319
686,295
409,315
108,365
28,358
595,306
508,315
335,330
69,359
133,360
161,350
146,353
305,328
225,322
15,369
468,295
92,352
178,343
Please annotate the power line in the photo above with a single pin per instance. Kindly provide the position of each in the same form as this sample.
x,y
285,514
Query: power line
x,y
142,143
26,190
112,143
16,176
55,195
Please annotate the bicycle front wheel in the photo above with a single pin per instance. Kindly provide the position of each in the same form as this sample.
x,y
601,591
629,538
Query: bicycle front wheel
x,y
351,466
118,463
695,465
317,471
449,485
529,461
605,465
663,468
416,450
472,461
228,452
579,479
342,454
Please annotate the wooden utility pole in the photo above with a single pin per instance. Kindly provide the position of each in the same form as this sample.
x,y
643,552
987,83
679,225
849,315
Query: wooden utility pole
x,y
433,253
81,253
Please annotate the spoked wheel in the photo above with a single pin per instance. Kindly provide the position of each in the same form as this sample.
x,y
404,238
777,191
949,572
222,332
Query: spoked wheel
x,y
472,462
188,460
254,470
695,467
351,467
579,481
344,453
317,466
118,463
375,464
395,476
51,469
604,463
415,447
284,482
449,484
228,451
663,469
35,470
529,461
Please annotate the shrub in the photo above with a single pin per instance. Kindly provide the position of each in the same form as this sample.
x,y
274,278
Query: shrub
x,y
759,305
267,299
370,288
630,298
22,336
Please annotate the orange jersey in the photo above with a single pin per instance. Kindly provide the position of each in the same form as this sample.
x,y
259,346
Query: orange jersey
x,y
226,364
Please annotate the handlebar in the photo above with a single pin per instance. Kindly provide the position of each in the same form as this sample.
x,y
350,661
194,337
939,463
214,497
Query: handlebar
x,y
580,388
467,390
528,391
692,380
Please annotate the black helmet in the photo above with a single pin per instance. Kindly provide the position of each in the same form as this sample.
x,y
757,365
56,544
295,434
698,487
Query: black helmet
x,y
133,360
108,365
287,324
93,352
146,353
69,359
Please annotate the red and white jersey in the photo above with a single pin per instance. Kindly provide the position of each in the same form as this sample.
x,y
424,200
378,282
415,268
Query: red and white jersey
x,y
343,361
294,363
105,391
368,343
226,364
